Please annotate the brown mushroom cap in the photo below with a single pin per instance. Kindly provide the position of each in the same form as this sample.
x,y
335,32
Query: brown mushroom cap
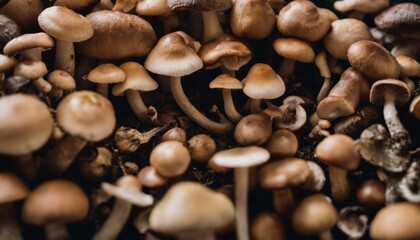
x,y
106,73
253,129
409,67
338,150
153,8
28,41
397,221
393,87
136,78
26,124
7,63
371,193
262,82
62,80
241,157
12,188
87,115
149,177
10,30
114,34
170,158
415,107
200,5
31,69
24,13
282,143
201,147
55,201
295,49
225,81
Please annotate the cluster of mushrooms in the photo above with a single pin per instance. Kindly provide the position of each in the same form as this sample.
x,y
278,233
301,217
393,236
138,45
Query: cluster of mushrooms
x,y
205,119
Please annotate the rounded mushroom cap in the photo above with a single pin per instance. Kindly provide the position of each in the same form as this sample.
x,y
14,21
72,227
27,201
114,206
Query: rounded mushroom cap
x,y
343,33
408,66
65,24
267,225
282,143
295,49
415,107
225,81
241,157
262,82
26,124
392,87
338,150
31,69
28,41
371,193
190,207
62,80
150,178
372,60
283,174
75,4
253,129
7,63
200,5
153,8
333,107
106,73
172,56
9,30
12,188
201,147
136,78
372,6
87,115
397,221
170,158
117,35
55,201
314,214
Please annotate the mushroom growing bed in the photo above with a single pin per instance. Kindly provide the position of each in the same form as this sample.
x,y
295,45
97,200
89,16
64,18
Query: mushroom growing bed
x,y
210,119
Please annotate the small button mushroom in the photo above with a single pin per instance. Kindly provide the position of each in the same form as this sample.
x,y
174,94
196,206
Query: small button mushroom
x,y
353,221
282,143
397,221
10,30
105,74
60,81
253,129
170,158
128,140
149,177
53,204
190,211
35,71
361,7
415,107
174,134
371,193
267,226
29,46
201,147
97,166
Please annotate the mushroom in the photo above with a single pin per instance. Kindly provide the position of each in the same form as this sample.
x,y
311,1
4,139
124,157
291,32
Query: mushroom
x,y
292,114
353,221
53,204
29,46
137,80
201,147
128,140
409,67
150,178
127,192
415,107
282,143
316,179
10,30
6,64
321,63
24,13
189,211
60,81
340,154
361,7
96,167
174,134
159,8
409,184
241,159
267,225
35,71
86,117
253,129
66,26
124,5
170,158
105,74
179,60
371,193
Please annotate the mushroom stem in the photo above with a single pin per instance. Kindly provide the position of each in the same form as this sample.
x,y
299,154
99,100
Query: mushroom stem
x,y
340,187
241,202
184,103
230,108
212,28
137,105
255,106
395,127
9,225
56,231
202,235
325,235
102,88
325,89
115,221
42,85
321,63
286,68
27,167
64,56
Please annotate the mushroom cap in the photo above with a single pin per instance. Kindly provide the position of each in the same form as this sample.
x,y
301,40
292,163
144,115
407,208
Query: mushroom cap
x,y
267,225
338,150
415,107
372,6
295,49
62,80
372,60
241,157
333,107
24,13
170,158
304,20
200,5
87,115
31,69
400,19
408,66
343,33
172,56
283,174
225,81
282,143
9,30
150,178
106,73
153,8
65,24
201,147
26,124
293,117
28,41
7,63
397,221
117,35
392,87
253,129
75,4
191,207
12,188
353,221
136,78
371,193
262,82
55,201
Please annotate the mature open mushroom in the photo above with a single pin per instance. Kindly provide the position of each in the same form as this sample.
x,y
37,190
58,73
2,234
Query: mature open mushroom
x,y
353,221
35,71
105,74
24,13
409,67
29,46
129,140
292,115
60,81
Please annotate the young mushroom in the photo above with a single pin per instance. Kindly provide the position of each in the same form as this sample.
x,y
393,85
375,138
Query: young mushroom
x,y
409,67
371,193
282,143
105,74
253,129
60,81
150,178
201,147
35,71
174,134
170,158
267,225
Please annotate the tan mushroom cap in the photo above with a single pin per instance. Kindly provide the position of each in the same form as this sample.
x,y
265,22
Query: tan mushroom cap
x,y
170,158
150,178
75,4
282,143
172,56
106,73
283,173
408,66
26,124
241,157
55,201
415,107
397,221
262,82
343,33
395,87
200,5
332,107
7,63
136,78
65,24
62,80
31,69
153,8
117,35
87,115
12,188
28,41
295,49
189,207
361,5
225,81
253,129
338,150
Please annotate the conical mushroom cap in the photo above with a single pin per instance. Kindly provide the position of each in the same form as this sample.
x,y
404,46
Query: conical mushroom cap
x,y
262,82
136,78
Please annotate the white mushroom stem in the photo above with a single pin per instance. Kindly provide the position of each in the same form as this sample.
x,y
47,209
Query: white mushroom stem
x,y
230,108
202,235
102,88
64,56
241,203
137,105
212,28
286,68
115,221
255,106
340,187
395,127
9,225
56,231
42,85
184,103
27,167
326,235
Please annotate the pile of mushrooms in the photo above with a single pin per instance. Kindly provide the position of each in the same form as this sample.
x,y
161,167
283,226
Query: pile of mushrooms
x,y
113,124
